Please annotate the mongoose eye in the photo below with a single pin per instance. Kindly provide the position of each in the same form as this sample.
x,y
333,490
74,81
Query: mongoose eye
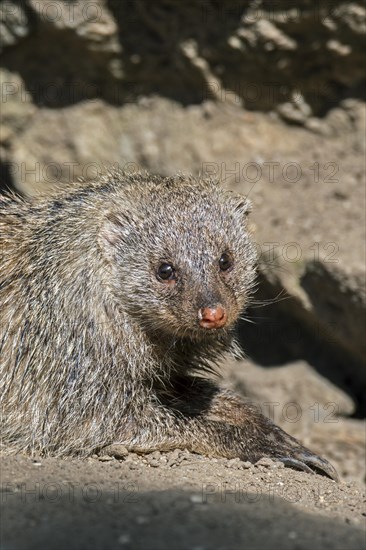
x,y
166,272
225,262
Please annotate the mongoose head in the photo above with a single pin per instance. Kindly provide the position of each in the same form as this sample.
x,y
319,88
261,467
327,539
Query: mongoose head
x,y
179,255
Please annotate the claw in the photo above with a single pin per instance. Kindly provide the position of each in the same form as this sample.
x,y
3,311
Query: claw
x,y
296,464
290,451
322,466
312,464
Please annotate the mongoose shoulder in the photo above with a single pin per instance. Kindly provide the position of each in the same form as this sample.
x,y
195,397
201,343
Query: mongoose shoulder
x,y
117,298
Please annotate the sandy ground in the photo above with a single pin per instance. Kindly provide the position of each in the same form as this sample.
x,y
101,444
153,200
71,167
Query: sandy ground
x,y
175,500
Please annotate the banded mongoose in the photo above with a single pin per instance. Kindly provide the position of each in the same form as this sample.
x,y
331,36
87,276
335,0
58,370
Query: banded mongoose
x,y
117,299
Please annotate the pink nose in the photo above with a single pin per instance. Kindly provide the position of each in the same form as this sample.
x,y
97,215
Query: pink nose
x,y
212,317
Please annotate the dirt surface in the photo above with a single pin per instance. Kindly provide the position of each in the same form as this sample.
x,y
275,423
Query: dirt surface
x,y
175,500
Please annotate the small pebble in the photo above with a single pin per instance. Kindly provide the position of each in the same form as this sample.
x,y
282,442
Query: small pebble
x,y
105,458
124,539
266,462
118,451
196,499
142,520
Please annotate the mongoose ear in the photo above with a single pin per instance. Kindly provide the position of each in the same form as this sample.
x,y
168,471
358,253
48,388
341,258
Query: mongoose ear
x,y
116,230
242,204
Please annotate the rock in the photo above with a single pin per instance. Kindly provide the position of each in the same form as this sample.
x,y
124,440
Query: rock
x,y
115,450
256,54
338,300
289,393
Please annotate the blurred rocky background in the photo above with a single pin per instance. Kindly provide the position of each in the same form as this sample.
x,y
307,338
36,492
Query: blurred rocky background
x,y
269,98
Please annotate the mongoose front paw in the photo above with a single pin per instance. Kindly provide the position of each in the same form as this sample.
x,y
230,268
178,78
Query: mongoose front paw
x,y
280,445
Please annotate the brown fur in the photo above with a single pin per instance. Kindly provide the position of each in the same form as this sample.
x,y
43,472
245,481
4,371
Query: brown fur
x,y
97,350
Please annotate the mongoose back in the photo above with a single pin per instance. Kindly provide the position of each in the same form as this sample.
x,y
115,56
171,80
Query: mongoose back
x,y
117,298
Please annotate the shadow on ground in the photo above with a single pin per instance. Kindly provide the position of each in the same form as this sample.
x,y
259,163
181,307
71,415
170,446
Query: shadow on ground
x,y
61,517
